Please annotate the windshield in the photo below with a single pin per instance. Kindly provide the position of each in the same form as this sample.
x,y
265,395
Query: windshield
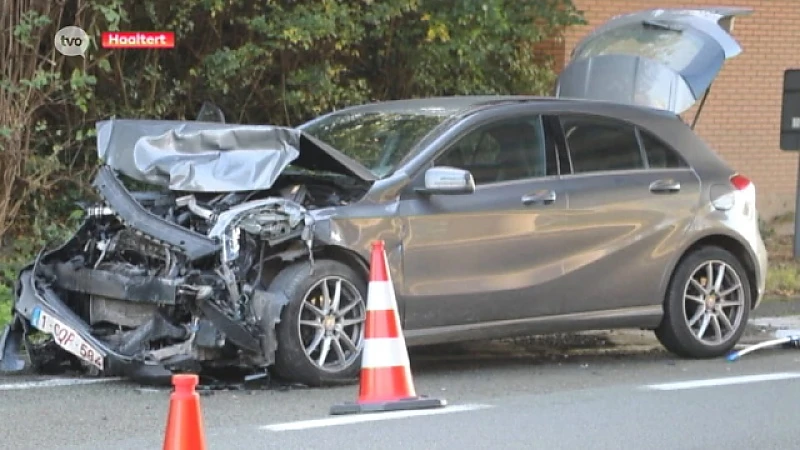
x,y
377,140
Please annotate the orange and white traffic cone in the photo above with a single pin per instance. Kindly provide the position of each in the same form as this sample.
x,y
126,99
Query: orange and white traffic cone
x,y
185,421
386,383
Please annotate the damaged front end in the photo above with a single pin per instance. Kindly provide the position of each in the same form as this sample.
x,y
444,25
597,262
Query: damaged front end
x,y
169,280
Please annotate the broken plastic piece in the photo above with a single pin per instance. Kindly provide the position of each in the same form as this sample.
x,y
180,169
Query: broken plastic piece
x,y
782,337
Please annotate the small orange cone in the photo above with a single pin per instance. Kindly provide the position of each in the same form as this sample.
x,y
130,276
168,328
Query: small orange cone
x,y
185,420
386,383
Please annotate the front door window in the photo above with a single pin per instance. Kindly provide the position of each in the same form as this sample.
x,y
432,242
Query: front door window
x,y
506,150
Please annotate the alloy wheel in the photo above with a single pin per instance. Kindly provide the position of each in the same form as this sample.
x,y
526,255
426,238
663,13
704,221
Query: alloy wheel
x,y
331,325
714,301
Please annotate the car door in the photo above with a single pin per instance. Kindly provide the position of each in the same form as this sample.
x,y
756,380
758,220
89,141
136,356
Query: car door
x,y
485,256
631,198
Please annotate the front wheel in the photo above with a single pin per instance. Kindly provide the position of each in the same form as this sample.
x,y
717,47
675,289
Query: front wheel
x,y
320,335
707,305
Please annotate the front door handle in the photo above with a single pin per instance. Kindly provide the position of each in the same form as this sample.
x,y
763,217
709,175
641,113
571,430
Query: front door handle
x,y
665,186
543,197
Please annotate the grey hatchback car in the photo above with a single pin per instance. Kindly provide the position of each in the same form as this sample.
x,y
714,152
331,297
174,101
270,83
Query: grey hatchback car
x,y
598,208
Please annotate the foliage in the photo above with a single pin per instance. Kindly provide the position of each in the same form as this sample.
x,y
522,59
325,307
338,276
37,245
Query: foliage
x,y
274,61
43,101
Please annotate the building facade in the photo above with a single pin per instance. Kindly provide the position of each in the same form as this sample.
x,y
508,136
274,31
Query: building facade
x,y
741,117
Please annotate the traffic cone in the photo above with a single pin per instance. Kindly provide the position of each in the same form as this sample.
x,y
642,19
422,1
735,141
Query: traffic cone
x,y
386,383
185,420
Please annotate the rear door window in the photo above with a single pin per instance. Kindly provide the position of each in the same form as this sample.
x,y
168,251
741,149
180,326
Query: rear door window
x,y
599,144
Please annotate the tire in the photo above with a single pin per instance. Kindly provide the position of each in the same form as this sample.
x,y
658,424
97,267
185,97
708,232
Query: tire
x,y
299,282
675,332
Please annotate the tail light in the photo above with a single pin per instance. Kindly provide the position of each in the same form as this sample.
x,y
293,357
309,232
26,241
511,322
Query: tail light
x,y
743,184
740,182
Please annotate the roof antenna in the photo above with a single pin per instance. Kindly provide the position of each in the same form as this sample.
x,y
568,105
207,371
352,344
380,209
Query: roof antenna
x,y
700,108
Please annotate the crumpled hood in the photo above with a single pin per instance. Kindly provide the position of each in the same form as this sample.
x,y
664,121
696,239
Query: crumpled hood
x,y
214,157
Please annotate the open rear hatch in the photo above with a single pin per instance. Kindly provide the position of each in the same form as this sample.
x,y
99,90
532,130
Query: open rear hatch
x,y
660,58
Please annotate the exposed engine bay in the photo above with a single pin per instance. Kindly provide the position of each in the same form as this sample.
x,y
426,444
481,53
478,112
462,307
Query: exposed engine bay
x,y
162,280
147,299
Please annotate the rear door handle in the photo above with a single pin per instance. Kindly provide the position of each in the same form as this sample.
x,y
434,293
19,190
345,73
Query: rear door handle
x,y
543,197
665,186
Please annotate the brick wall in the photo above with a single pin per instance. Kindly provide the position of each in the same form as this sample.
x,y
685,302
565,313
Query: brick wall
x,y
741,118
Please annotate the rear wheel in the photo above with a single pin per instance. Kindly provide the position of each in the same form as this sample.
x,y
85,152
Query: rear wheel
x,y
320,335
707,305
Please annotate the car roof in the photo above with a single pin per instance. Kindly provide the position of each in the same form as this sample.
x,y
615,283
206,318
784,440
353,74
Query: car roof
x,y
449,106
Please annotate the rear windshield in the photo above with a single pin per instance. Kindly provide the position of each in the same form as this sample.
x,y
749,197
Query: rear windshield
x,y
671,46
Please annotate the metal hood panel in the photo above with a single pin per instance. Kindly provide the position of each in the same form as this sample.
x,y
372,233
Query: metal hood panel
x,y
213,157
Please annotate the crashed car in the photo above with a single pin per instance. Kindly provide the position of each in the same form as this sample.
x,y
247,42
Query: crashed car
x,y
230,245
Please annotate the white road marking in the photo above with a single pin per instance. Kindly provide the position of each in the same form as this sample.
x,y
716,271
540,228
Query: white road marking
x,y
53,382
369,417
694,384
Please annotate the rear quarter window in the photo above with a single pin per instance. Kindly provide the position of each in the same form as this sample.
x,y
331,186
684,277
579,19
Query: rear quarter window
x,y
659,154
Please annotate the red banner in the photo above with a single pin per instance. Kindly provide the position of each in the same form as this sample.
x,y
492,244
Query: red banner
x,y
138,39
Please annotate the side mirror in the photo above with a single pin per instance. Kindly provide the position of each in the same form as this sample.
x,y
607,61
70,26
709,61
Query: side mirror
x,y
447,181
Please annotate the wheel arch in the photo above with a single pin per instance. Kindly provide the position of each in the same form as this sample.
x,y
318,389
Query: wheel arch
x,y
275,263
725,242
346,256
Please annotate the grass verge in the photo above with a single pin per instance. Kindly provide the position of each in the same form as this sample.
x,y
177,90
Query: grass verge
x,y
783,278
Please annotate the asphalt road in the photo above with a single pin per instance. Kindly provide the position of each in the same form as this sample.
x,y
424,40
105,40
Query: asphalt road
x,y
583,392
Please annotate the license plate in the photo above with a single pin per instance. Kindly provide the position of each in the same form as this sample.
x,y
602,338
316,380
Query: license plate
x,y
67,338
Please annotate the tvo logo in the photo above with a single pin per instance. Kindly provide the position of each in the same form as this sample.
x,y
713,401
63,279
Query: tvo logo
x,y
72,41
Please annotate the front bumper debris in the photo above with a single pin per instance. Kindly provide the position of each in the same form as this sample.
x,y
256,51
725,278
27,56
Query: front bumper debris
x,y
38,305
119,318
